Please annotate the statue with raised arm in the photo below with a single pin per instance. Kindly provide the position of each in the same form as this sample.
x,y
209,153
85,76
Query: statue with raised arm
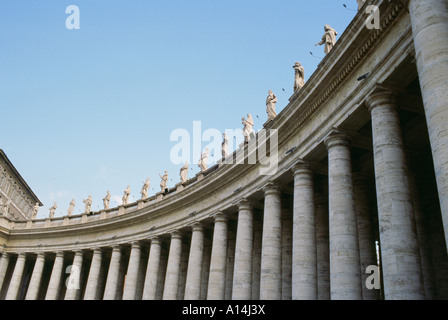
x,y
106,200
328,39
88,204
126,194
164,182
145,189
271,100
299,80
35,211
203,160
53,210
248,127
225,146
71,208
184,173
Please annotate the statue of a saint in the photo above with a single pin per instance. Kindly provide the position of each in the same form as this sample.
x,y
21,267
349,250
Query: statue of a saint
x,y
145,189
35,211
203,160
126,194
328,39
106,200
2,207
164,182
184,173
271,100
53,210
225,146
71,208
248,127
88,203
299,80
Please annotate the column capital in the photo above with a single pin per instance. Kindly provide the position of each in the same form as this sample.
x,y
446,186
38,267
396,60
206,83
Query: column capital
x,y
136,244
156,240
244,204
116,247
337,137
41,254
97,250
271,188
176,234
59,254
220,216
78,252
301,167
197,226
382,97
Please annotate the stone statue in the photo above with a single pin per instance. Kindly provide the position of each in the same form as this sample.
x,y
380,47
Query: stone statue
x,y
6,208
248,127
225,146
164,182
35,211
184,173
328,39
53,210
2,207
271,100
145,189
126,194
299,80
88,203
203,160
71,208
106,200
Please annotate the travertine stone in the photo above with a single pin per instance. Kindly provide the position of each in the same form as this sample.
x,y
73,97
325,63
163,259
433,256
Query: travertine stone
x,y
56,276
242,277
304,268
152,273
328,39
271,101
322,247
36,278
130,288
206,266
345,278
94,275
256,260
287,234
16,279
217,277
193,282
399,246
4,262
74,282
271,257
110,292
170,291
430,29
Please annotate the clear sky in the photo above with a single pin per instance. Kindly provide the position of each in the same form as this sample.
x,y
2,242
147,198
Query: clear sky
x,y
90,110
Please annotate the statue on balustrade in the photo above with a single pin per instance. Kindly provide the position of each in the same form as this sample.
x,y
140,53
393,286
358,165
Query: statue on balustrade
x,y
299,80
164,182
328,39
35,211
203,160
225,146
145,189
126,195
248,127
53,210
88,203
71,208
106,200
184,173
271,101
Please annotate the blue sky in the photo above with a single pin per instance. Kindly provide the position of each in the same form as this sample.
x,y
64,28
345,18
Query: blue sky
x,y
90,110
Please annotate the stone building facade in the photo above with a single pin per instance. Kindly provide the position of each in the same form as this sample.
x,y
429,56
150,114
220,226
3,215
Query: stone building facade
x,y
362,181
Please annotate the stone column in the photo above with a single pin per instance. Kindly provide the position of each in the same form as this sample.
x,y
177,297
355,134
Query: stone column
x,y
74,281
94,275
271,251
152,271
242,277
110,292
399,246
366,241
304,260
345,278
287,226
16,279
193,282
55,279
429,20
130,288
36,278
170,291
217,278
322,247
4,262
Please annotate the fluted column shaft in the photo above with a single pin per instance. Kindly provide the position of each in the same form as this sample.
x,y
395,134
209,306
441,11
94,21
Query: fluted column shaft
x,y
36,278
152,271
94,276
193,282
345,278
16,279
171,287
74,281
242,277
429,20
304,261
110,293
217,277
4,262
271,251
56,276
399,245
130,288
